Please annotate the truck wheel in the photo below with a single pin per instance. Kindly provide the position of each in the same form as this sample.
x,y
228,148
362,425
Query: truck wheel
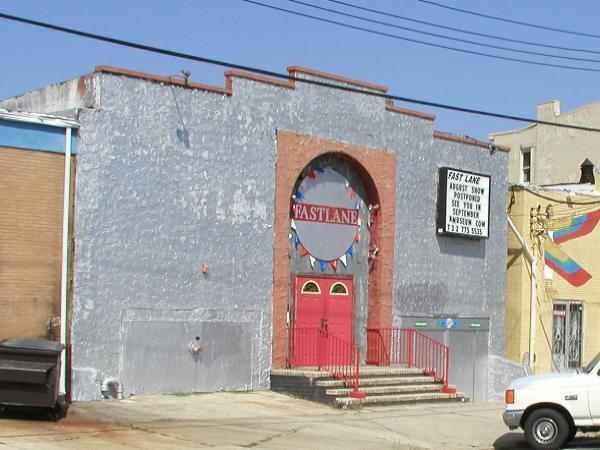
x,y
546,429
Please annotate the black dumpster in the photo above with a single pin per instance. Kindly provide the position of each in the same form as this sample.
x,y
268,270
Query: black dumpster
x,y
29,375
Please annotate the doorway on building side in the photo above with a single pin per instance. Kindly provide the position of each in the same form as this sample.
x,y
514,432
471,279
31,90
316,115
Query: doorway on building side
x,y
567,331
323,307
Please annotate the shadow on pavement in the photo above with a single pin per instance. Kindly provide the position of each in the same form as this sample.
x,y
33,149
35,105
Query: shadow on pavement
x,y
23,413
516,441
511,441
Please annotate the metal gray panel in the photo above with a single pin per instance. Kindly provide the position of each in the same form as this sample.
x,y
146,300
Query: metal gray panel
x,y
469,362
438,335
157,357
481,366
452,322
152,363
462,348
468,340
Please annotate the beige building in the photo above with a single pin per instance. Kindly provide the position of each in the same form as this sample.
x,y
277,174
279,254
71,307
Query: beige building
x,y
545,154
553,275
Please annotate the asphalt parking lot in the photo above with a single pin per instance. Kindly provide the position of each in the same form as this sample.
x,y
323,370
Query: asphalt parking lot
x,y
265,420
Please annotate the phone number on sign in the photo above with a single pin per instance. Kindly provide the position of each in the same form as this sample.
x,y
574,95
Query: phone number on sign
x,y
464,230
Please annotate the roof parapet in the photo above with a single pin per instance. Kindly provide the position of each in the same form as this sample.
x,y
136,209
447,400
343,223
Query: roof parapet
x,y
469,140
162,79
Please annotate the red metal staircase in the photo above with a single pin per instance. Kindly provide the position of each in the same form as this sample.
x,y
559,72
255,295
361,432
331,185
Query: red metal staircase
x,y
404,365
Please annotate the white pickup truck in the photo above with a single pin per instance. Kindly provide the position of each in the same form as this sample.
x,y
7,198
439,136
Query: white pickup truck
x,y
552,407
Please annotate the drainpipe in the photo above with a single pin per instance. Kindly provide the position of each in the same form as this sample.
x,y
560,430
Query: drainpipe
x,y
533,299
64,282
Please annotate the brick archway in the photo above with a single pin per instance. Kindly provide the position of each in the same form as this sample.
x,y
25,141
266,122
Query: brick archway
x,y
377,170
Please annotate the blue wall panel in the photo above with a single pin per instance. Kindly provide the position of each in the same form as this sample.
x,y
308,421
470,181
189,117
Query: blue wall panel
x,y
33,136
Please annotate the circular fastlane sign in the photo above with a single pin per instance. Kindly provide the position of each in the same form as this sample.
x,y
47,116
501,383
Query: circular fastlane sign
x,y
326,213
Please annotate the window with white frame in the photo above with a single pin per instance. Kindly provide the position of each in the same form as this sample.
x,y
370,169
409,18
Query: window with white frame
x,y
526,164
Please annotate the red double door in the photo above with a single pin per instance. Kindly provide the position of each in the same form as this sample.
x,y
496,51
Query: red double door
x,y
322,321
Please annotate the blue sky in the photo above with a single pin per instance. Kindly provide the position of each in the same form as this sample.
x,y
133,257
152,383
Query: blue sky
x,y
232,30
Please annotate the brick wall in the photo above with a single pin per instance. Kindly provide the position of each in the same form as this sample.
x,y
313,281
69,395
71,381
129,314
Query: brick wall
x,y
31,203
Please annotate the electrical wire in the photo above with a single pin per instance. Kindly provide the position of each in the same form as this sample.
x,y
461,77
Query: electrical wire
x,y
460,30
516,22
442,36
550,347
535,192
287,77
416,41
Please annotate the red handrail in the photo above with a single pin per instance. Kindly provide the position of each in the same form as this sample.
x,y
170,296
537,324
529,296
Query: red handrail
x,y
407,346
316,347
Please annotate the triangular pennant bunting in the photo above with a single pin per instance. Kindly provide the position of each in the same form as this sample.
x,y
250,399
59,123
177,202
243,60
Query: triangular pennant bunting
x,y
296,239
350,251
293,225
323,265
312,261
303,251
343,260
334,264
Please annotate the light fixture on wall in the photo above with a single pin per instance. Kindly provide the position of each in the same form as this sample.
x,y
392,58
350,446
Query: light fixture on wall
x,y
195,346
185,74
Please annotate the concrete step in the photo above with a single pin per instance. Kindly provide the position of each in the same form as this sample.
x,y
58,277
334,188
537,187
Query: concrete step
x,y
378,381
375,371
378,390
375,400
306,372
365,371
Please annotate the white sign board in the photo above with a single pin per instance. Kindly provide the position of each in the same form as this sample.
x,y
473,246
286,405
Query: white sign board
x,y
463,203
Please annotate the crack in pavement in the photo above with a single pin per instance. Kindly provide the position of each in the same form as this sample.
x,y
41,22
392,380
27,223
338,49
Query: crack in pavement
x,y
275,436
150,431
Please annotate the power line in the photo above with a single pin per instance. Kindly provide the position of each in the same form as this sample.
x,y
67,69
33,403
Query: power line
x,y
427,33
417,41
516,22
535,191
230,65
460,30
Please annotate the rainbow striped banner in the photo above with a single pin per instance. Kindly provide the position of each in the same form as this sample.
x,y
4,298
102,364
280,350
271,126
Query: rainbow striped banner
x,y
565,266
579,226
